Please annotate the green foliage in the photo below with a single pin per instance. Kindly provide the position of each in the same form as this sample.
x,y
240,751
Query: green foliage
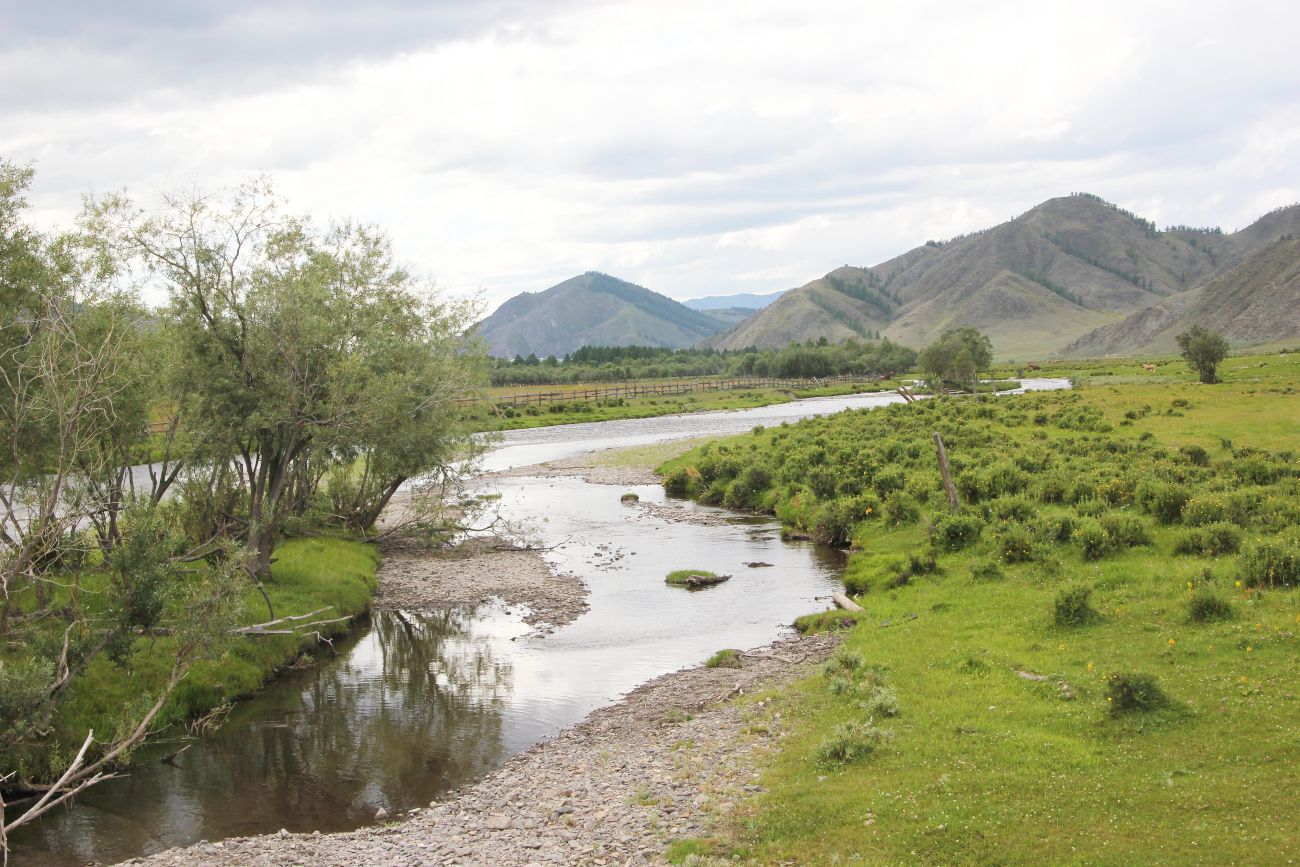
x,y
1073,607
727,658
959,354
1203,350
1210,540
1165,500
851,742
982,571
1016,545
1207,606
1134,693
1092,539
956,530
1271,561
683,576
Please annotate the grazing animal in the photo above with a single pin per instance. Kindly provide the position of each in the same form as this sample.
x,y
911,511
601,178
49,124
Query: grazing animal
x,y
1149,368
1032,366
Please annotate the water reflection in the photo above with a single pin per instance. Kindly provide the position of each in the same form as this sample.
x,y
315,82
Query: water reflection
x,y
414,705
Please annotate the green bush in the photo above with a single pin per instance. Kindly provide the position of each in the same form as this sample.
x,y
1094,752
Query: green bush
x,y
901,508
1212,540
1197,456
1094,543
1165,500
1205,606
1011,508
1134,693
955,531
1271,562
1125,531
984,571
1206,509
677,483
1073,607
1053,528
727,658
851,742
1016,545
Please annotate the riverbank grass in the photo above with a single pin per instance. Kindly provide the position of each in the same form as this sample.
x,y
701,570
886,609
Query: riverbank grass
x,y
694,578
1064,691
307,574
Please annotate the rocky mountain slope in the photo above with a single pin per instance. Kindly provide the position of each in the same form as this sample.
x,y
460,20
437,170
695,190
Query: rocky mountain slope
x,y
1258,301
1034,284
593,310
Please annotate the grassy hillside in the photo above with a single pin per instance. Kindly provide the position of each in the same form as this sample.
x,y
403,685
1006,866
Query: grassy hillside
x,y
1257,301
592,310
1036,283
1094,662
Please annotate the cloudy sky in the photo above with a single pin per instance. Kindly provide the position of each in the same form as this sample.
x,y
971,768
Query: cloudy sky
x,y
692,147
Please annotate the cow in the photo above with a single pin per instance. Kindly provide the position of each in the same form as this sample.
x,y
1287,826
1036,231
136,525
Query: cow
x,y
1149,368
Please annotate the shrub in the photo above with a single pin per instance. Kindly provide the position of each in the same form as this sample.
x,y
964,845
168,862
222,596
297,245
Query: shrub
x,y
956,531
1197,456
1212,540
901,508
1013,508
982,571
1016,545
1073,607
1053,487
1205,606
883,701
1092,538
1134,693
1053,528
1271,562
727,658
851,742
748,488
677,483
1125,531
1090,508
1165,500
1206,509
888,480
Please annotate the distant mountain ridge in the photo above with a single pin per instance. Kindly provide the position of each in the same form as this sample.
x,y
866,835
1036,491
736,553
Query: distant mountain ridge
x,y
593,309
747,300
1035,284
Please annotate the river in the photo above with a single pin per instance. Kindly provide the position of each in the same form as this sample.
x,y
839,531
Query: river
x,y
416,703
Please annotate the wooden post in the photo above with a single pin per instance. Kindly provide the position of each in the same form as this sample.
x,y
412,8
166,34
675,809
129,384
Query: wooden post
x,y
943,470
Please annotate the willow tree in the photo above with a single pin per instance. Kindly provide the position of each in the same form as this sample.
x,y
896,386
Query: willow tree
x,y
300,351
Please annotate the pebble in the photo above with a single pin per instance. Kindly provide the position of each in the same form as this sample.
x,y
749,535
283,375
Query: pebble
x,y
616,789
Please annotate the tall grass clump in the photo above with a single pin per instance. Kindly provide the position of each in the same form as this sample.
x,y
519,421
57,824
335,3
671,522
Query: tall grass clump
x,y
1134,693
1073,607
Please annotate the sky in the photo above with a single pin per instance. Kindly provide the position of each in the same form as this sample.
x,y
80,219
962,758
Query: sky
x,y
696,148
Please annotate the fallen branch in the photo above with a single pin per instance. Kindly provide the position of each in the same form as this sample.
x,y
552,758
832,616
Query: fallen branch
x,y
261,627
843,601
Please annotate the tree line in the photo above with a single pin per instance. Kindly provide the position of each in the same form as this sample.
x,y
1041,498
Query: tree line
x,y
816,358
295,375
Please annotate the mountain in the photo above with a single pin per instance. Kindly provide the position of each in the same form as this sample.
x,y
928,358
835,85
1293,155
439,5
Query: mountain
x,y
729,317
1258,301
743,300
592,310
1033,284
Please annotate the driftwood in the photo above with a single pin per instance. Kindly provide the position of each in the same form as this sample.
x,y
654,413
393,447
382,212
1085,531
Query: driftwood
x,y
843,601
262,628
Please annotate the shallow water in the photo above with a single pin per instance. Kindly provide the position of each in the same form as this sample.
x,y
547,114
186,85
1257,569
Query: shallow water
x,y
417,703
421,702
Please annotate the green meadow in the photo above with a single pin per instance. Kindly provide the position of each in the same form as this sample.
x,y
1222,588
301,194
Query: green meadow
x,y
1092,661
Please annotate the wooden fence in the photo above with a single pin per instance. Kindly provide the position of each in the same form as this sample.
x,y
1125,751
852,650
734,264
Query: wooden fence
x,y
649,389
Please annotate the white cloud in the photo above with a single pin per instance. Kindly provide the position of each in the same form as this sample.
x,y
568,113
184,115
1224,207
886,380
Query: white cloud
x,y
693,148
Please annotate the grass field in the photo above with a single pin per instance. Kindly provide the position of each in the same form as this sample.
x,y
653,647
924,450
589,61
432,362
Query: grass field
x,y
991,704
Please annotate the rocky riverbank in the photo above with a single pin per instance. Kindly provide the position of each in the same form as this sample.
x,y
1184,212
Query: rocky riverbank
x,y
412,576
671,761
